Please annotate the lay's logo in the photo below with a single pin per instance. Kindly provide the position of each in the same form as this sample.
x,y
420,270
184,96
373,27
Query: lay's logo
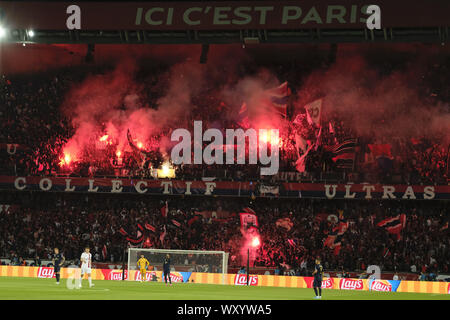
x,y
46,272
115,275
176,277
377,285
327,283
351,284
241,280
148,276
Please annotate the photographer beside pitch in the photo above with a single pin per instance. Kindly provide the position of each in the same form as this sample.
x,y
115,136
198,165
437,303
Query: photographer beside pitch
x,y
318,274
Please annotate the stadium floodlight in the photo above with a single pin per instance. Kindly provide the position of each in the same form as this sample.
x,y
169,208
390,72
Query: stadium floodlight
x,y
181,261
2,32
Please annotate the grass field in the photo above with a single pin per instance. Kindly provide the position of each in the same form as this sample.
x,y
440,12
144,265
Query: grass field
x,y
12,288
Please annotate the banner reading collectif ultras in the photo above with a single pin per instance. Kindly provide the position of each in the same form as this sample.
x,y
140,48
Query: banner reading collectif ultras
x,y
223,188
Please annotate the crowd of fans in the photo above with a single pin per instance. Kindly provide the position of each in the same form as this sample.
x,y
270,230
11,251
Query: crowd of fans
x,y
32,119
37,223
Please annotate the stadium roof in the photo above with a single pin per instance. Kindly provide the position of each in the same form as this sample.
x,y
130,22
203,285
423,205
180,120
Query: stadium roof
x,y
216,22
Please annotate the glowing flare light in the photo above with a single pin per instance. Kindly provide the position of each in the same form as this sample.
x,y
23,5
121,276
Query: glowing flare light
x,y
65,160
268,138
165,169
255,242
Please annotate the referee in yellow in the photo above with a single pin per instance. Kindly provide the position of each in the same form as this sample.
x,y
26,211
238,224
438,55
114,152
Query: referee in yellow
x,y
143,264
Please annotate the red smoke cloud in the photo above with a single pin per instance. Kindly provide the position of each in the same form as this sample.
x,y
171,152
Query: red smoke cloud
x,y
374,104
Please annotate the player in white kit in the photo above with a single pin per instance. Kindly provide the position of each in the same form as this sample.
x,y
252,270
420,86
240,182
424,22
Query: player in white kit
x,y
86,263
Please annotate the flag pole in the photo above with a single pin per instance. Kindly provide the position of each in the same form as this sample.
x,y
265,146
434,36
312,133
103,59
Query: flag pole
x,y
123,262
448,159
248,264
354,156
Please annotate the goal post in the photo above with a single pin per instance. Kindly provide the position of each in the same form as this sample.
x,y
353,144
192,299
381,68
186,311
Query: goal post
x,y
181,260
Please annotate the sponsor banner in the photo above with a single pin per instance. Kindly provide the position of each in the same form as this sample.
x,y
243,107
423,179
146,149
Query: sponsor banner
x,y
436,287
177,277
241,280
351,284
383,285
46,272
113,274
223,188
327,283
172,15
149,276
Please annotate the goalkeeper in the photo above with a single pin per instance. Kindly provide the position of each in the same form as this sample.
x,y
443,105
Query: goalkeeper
x,y
143,264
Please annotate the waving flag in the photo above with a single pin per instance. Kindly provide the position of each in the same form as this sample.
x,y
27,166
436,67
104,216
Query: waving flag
x,y
343,154
343,147
330,128
248,220
314,112
271,103
137,240
276,99
300,164
165,210
243,117
334,239
332,132
149,227
394,225
193,219
163,235
139,236
104,252
301,143
123,232
176,223
249,210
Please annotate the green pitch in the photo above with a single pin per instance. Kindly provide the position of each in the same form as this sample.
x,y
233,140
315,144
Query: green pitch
x,y
12,288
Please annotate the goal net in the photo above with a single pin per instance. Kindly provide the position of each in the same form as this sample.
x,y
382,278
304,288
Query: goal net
x,y
181,261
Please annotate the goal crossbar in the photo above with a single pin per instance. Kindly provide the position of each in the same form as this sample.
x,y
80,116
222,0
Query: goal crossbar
x,y
182,260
